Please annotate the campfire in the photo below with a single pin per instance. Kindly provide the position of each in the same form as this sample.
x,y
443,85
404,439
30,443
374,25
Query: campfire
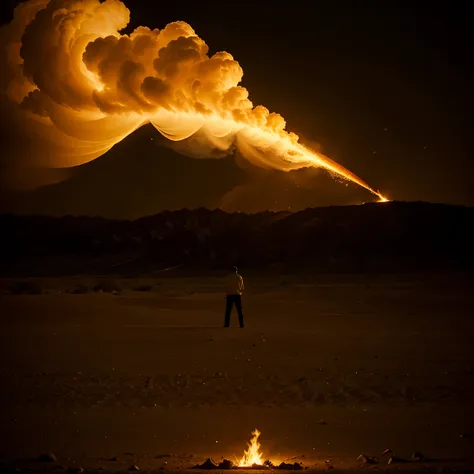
x,y
251,459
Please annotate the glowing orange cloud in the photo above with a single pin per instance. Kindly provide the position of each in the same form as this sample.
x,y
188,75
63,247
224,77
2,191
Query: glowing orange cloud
x,y
82,87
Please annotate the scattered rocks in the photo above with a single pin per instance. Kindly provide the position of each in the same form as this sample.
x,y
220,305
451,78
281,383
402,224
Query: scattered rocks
x,y
114,459
207,464
210,464
322,422
107,286
133,467
329,464
80,289
394,459
296,466
226,464
142,288
387,452
47,457
219,375
367,459
417,456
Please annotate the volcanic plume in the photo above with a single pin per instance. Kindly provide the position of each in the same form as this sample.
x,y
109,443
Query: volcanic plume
x,y
78,87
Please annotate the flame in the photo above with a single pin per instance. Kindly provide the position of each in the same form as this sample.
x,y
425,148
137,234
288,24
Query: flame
x,y
96,86
252,455
292,154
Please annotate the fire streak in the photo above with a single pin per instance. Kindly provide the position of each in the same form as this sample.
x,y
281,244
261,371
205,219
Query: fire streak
x,y
295,154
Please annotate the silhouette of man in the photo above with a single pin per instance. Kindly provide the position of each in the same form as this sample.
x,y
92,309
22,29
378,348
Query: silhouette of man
x,y
234,287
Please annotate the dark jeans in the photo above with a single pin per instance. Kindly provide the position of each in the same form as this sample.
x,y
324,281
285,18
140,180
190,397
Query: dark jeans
x,y
231,300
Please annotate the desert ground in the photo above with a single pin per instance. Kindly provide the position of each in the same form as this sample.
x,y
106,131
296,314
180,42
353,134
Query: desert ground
x,y
328,368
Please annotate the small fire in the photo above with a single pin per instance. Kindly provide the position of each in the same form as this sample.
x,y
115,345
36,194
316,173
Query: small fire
x,y
252,455
252,459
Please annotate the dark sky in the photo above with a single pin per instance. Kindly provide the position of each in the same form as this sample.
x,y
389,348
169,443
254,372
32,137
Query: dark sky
x,y
385,89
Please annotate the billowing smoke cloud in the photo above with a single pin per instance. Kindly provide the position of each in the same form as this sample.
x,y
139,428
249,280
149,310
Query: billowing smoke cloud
x,y
78,87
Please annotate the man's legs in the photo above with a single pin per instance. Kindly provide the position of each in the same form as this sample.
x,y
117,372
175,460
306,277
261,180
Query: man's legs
x,y
228,309
238,305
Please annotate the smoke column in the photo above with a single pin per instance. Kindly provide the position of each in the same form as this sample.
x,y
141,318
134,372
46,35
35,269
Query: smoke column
x,y
78,87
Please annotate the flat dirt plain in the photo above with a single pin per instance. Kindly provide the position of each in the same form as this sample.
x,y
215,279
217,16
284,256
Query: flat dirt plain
x,y
327,368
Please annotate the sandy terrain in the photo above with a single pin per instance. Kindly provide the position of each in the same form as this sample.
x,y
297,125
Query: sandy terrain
x,y
327,369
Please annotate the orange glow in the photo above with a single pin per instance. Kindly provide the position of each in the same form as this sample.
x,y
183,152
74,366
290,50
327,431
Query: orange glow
x,y
97,86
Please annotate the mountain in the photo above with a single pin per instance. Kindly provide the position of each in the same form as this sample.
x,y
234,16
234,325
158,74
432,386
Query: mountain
x,y
377,237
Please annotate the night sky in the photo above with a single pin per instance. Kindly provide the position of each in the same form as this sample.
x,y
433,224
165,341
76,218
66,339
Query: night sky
x,y
384,90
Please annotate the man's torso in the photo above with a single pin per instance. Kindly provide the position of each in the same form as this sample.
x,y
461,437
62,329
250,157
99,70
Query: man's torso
x,y
234,284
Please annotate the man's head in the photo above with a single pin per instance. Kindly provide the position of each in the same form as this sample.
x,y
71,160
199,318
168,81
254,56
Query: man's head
x,y
235,269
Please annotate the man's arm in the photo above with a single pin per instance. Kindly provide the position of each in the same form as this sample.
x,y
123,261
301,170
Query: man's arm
x,y
241,284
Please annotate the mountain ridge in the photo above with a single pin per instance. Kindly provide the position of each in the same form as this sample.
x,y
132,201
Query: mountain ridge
x,y
394,236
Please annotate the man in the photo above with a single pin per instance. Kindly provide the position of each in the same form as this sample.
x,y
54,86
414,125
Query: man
x,y
234,286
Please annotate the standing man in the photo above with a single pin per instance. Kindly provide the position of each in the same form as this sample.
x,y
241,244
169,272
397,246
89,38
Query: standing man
x,y
234,286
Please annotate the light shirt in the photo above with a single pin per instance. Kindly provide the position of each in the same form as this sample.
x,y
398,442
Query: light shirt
x,y
234,284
